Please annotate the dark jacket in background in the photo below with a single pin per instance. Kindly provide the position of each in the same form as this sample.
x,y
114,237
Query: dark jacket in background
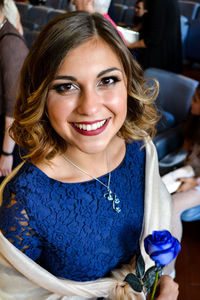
x,y
162,36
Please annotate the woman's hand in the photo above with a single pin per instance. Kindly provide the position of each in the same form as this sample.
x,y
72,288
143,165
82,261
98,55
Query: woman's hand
x,y
136,45
167,289
6,163
187,184
85,5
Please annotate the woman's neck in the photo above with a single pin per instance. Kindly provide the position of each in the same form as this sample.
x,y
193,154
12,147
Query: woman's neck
x,y
94,164
103,161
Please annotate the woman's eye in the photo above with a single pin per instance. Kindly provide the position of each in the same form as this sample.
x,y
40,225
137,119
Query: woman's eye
x,y
64,87
107,81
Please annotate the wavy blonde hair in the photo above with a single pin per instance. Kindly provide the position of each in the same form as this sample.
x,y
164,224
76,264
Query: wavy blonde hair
x,y
31,129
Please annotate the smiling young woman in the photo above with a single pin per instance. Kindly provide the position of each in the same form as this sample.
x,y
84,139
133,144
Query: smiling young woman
x,y
81,203
87,111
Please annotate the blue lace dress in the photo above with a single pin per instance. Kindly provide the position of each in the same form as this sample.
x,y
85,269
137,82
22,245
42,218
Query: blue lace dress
x,y
70,229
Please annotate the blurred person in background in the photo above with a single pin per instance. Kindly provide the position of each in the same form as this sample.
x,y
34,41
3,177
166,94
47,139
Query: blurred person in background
x,y
139,12
186,201
160,45
100,6
104,7
13,51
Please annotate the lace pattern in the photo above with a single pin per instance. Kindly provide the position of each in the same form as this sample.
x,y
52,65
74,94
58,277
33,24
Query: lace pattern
x,y
70,228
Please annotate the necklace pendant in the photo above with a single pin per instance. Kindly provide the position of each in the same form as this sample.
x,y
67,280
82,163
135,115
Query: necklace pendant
x,y
109,195
118,209
116,201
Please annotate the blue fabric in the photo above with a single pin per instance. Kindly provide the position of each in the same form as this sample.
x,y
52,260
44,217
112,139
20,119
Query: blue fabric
x,y
70,228
191,214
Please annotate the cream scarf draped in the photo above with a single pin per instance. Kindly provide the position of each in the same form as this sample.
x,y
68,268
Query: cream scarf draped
x,y
23,279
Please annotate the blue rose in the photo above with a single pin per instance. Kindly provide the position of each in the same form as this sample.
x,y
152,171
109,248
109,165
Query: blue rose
x,y
162,247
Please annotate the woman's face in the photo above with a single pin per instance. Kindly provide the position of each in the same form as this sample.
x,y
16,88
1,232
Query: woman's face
x,y
87,100
195,103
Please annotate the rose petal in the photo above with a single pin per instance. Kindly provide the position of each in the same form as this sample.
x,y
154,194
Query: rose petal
x,y
158,247
163,258
160,235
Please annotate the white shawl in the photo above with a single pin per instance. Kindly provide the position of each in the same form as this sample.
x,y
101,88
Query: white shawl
x,y
23,279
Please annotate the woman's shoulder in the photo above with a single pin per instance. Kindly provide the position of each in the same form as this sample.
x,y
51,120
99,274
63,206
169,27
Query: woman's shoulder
x,y
135,147
20,186
135,156
26,178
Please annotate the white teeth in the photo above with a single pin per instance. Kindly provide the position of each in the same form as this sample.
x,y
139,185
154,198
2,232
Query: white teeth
x,y
90,127
94,126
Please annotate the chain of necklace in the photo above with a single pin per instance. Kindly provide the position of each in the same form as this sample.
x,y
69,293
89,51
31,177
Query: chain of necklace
x,y
110,196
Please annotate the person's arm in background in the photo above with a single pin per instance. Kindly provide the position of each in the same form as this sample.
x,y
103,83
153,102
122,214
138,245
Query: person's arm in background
x,y
13,53
188,183
138,44
6,160
138,27
85,5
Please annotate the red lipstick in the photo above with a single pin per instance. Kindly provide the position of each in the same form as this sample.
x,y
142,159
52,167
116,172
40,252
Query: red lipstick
x,y
91,132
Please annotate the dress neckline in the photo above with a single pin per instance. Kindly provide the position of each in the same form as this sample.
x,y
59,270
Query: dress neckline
x,y
87,181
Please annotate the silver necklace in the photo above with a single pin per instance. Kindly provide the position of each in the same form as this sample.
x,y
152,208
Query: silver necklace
x,y
110,196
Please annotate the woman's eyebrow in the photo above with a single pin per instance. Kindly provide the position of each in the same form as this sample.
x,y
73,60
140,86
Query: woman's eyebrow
x,y
65,77
72,78
108,71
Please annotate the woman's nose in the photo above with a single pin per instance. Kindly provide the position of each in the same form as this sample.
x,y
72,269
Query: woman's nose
x,y
89,103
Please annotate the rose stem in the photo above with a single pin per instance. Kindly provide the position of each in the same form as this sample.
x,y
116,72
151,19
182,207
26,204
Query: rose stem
x,y
155,285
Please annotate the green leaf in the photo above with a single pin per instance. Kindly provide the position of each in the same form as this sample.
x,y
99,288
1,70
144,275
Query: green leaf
x,y
140,267
149,290
149,277
134,282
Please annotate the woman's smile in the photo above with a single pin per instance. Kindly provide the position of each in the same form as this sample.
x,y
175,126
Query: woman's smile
x,y
91,128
